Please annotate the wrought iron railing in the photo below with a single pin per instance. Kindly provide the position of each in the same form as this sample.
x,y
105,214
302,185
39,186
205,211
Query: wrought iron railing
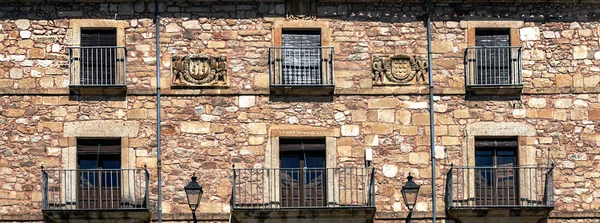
x,y
105,189
301,66
492,66
506,186
101,66
275,188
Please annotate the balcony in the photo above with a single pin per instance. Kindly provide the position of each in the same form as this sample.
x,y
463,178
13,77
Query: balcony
x,y
110,194
301,70
97,69
493,70
277,194
528,189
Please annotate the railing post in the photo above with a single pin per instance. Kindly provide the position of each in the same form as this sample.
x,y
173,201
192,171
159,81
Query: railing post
x,y
449,188
233,188
147,193
44,189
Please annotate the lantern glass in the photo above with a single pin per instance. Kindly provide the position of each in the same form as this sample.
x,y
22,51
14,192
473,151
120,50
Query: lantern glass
x,y
410,191
193,192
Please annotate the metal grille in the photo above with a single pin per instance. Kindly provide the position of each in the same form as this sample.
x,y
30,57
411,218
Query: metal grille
x,y
97,65
95,189
301,66
272,188
514,186
493,66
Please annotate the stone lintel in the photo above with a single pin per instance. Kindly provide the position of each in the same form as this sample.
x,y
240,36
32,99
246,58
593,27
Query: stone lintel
x,y
102,128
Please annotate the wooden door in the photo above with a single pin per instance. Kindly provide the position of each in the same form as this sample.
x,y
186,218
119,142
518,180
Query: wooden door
x,y
303,174
99,174
496,172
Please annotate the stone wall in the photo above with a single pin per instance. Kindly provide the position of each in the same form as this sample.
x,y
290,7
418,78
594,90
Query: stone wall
x,y
207,130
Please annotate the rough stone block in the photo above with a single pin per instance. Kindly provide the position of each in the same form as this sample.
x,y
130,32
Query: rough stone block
x,y
246,101
350,130
195,127
580,52
257,128
383,103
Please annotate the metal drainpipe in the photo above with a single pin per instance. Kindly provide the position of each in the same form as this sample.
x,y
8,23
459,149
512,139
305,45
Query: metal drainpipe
x,y
431,113
158,159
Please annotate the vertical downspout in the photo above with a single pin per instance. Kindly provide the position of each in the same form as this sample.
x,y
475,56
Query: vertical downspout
x,y
158,159
431,113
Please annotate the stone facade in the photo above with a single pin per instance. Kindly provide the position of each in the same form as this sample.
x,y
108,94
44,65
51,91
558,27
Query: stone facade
x,y
207,130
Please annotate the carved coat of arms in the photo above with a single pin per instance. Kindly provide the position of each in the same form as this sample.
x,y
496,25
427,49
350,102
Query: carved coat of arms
x,y
199,70
399,69
301,9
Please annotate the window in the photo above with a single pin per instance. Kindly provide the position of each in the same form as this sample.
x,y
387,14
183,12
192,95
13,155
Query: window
x,y
496,172
99,174
301,55
98,55
302,177
493,59
301,60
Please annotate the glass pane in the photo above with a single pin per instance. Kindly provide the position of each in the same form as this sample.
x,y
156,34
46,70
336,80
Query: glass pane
x,y
290,168
88,164
111,164
484,161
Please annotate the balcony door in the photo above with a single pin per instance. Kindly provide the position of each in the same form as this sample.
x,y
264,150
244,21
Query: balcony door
x,y
303,174
98,55
99,174
301,57
494,58
496,172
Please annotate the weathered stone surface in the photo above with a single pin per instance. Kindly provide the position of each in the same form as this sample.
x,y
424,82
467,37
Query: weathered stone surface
x,y
257,128
195,127
247,101
350,130
580,52
101,128
530,34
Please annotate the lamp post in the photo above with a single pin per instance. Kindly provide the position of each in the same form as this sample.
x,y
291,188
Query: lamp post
x,y
193,191
410,191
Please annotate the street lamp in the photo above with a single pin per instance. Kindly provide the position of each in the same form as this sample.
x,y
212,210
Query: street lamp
x,y
194,192
410,190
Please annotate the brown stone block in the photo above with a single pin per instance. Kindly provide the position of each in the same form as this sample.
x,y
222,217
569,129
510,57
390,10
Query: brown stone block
x,y
53,126
421,118
403,117
217,128
13,112
440,130
590,137
463,113
346,141
444,119
380,128
226,35
408,130
545,113
442,47
454,130
49,162
383,103
27,84
594,114
578,114
531,113
150,162
417,158
6,83
359,116
36,53
450,141
256,140
358,151
372,116
560,114
257,128
137,114
564,80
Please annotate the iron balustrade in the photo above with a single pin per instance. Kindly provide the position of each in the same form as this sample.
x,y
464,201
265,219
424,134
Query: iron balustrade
x,y
103,189
492,66
503,186
280,188
301,66
100,66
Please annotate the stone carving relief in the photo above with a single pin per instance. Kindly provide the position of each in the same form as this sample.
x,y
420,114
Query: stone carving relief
x,y
199,70
399,69
301,9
